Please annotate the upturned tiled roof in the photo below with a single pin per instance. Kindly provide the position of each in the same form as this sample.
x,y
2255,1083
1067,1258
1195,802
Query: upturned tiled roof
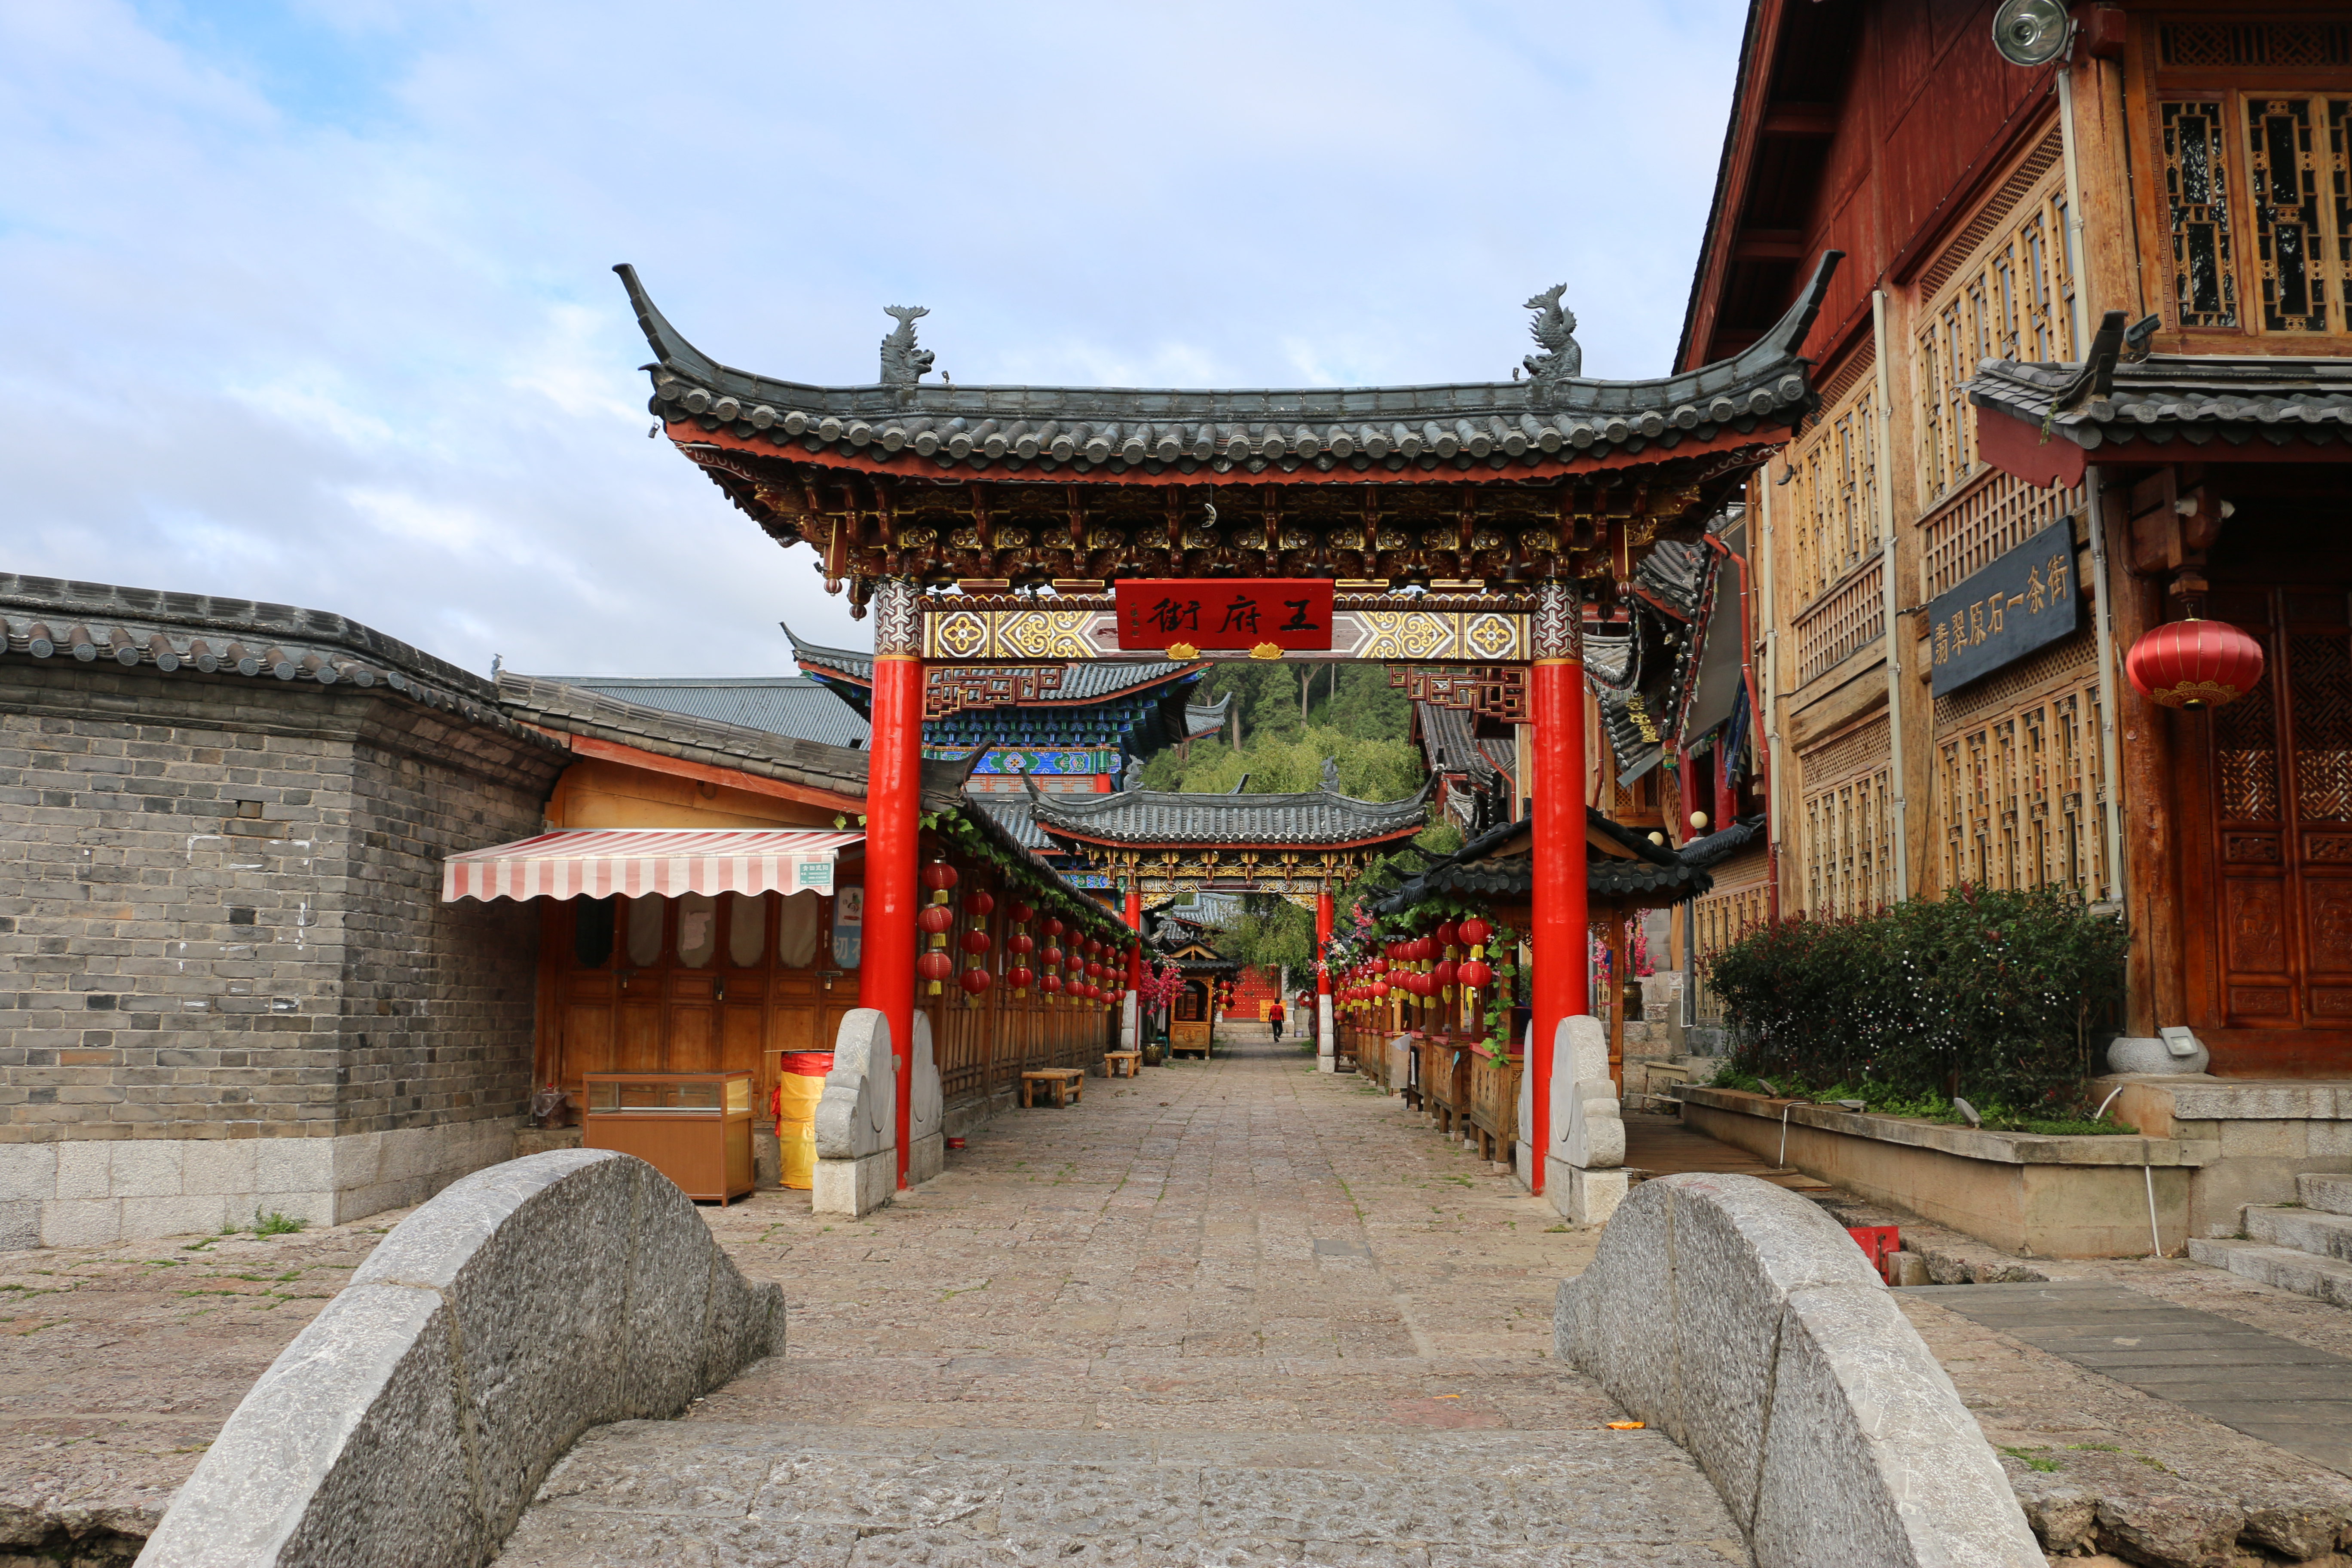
x,y
795,705
1448,734
1674,573
49,617
2177,404
943,426
1499,865
1318,818
1206,720
1012,813
840,769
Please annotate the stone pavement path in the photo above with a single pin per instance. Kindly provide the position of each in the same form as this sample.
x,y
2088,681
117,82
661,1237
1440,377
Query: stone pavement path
x,y
1236,1312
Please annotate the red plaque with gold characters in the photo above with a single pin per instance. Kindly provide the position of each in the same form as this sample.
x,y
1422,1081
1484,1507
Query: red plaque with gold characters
x,y
1266,615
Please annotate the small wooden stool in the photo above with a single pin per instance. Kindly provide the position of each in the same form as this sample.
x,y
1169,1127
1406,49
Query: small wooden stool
x,y
1122,1064
1068,1084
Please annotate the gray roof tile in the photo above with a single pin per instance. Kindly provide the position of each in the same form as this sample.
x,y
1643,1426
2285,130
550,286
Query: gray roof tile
x,y
946,427
796,705
1317,818
49,617
839,770
2181,402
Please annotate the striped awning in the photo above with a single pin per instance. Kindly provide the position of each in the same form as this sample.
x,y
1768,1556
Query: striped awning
x,y
597,862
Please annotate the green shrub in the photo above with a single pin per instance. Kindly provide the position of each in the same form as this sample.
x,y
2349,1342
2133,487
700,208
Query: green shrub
x,y
1997,996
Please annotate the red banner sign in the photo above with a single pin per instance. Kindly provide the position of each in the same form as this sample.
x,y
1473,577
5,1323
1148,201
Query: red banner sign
x,y
1281,613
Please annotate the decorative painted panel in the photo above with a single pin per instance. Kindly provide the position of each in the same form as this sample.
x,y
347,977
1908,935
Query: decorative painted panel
x,y
1402,635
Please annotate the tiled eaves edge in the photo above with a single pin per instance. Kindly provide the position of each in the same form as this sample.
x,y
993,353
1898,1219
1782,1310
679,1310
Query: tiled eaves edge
x,y
93,640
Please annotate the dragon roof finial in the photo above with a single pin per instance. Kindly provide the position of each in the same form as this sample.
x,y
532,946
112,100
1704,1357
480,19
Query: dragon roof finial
x,y
1554,329
903,363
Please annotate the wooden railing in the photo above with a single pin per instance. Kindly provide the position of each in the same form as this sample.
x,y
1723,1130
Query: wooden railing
x,y
1986,517
1851,615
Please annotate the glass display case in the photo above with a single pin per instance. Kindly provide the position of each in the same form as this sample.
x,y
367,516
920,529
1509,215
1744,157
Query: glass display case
x,y
693,1127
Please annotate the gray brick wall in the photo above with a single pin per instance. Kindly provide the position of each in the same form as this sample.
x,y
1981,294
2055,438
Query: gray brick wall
x,y
220,908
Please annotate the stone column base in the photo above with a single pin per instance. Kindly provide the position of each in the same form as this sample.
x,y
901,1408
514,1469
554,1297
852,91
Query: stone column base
x,y
1582,1196
925,1158
855,1187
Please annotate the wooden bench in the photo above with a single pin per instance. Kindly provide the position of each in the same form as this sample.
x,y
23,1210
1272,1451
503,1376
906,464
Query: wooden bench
x,y
1068,1084
1122,1064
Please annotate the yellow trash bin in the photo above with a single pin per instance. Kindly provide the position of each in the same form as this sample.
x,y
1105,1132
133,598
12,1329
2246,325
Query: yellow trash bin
x,y
798,1088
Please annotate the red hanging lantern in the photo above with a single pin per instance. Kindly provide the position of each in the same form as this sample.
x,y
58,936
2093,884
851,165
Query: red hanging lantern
x,y
1021,977
934,967
1443,975
975,941
974,981
934,919
1475,973
1021,941
1380,988
1020,913
2195,664
1447,933
939,877
979,901
1474,931
1050,958
1051,984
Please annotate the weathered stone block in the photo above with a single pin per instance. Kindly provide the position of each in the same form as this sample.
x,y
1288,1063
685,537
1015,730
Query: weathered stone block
x,y
28,1170
85,1170
145,1168
854,1186
925,1158
81,1222
20,1224
201,1213
223,1165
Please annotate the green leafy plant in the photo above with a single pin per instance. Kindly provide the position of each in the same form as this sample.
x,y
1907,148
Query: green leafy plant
x,y
275,1223
1997,996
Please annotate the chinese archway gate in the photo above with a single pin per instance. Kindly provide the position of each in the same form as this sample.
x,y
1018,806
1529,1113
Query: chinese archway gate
x,y
1472,524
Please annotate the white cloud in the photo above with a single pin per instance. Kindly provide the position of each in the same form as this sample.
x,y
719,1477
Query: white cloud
x,y
311,303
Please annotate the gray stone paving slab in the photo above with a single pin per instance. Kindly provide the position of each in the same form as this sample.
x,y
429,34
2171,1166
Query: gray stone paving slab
x,y
2149,1344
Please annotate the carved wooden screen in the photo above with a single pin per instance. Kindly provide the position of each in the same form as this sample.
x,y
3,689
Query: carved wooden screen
x,y
1739,903
1849,834
2003,289
1827,565
2020,791
2280,770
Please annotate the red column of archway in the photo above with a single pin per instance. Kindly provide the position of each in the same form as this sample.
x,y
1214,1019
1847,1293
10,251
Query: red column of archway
x,y
1559,960
894,798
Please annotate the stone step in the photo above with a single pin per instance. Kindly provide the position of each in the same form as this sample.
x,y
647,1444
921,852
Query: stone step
x,y
2326,1280
2326,1190
2315,1231
701,1491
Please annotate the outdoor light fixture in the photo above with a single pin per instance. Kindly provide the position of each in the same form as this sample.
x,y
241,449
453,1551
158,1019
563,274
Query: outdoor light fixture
x,y
2032,32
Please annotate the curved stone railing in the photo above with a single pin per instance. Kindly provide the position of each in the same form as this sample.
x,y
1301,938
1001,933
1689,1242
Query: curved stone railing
x,y
411,1422
1744,1323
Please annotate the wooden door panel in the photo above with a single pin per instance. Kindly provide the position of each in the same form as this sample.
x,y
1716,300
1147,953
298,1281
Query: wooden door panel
x,y
639,1045
2254,919
693,1038
738,1036
2327,908
793,1028
587,1044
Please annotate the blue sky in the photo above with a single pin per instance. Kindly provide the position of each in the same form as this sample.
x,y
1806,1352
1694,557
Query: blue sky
x,y
311,302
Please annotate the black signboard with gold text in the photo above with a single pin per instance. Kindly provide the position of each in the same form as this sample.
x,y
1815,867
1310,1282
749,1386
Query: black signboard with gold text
x,y
2024,601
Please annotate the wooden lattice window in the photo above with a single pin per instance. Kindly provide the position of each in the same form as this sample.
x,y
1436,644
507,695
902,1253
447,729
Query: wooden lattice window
x,y
2290,244
2019,783
1849,829
2197,191
2005,289
1833,507
1722,917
